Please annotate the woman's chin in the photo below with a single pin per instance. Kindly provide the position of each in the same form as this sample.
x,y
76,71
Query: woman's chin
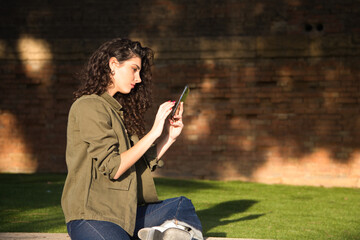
x,y
125,91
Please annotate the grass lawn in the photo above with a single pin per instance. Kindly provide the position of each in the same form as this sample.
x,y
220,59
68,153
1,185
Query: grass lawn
x,y
31,203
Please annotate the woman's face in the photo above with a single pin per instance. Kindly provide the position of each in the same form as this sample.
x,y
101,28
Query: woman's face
x,y
125,75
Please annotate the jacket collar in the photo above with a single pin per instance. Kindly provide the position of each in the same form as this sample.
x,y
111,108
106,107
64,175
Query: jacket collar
x,y
117,106
112,101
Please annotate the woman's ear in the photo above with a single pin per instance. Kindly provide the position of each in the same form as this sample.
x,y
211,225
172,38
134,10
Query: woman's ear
x,y
112,63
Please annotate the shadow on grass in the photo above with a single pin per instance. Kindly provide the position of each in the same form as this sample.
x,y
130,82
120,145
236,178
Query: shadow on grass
x,y
31,203
36,223
353,234
183,186
216,215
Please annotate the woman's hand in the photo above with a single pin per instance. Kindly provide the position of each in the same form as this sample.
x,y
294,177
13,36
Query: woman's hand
x,y
162,114
175,125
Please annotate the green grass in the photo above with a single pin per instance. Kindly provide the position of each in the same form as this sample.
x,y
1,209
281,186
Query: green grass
x,y
31,203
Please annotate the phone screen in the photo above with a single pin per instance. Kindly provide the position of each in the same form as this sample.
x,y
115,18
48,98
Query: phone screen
x,y
182,98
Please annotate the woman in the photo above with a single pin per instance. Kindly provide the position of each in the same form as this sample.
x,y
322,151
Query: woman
x,y
109,192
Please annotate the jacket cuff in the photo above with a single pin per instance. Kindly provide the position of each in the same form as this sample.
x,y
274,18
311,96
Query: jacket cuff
x,y
151,158
111,167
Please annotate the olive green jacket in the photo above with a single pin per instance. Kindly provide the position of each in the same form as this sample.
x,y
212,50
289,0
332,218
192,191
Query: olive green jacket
x,y
96,136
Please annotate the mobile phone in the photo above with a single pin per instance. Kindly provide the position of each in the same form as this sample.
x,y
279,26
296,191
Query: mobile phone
x,y
182,98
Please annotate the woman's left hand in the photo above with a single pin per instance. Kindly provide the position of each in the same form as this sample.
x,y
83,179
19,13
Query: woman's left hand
x,y
175,125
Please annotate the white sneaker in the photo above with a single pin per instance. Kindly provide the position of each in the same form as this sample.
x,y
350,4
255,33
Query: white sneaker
x,y
168,234
148,233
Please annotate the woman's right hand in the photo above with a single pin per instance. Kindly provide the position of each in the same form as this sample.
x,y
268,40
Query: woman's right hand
x,y
162,114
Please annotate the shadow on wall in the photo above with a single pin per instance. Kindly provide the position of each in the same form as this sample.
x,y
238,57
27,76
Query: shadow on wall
x,y
264,85
42,46
268,83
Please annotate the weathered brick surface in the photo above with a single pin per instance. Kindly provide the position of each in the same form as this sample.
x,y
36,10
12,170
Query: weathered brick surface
x,y
274,84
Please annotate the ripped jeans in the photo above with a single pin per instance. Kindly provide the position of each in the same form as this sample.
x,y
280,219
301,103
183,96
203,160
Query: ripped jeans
x,y
180,210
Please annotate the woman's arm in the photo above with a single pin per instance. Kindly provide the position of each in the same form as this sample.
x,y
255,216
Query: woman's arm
x,y
131,156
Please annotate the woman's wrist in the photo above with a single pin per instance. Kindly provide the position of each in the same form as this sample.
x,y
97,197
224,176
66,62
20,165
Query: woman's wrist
x,y
171,140
167,140
153,135
163,144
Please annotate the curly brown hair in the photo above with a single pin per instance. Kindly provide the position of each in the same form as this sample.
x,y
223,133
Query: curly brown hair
x,y
96,79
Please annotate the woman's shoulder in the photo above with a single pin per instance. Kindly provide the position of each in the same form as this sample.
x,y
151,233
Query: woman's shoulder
x,y
87,102
89,99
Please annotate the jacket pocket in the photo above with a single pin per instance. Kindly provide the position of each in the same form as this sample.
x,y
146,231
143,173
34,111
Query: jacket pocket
x,y
122,184
107,198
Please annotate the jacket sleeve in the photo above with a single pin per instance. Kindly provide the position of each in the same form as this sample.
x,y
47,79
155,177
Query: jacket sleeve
x,y
151,158
96,130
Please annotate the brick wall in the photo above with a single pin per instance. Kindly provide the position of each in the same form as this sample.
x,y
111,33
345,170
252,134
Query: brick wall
x,y
274,84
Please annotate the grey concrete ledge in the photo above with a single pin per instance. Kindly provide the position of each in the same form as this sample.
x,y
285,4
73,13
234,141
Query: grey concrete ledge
x,y
65,236
33,236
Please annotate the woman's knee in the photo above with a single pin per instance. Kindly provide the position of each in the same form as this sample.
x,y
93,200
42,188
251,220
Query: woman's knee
x,y
96,230
184,200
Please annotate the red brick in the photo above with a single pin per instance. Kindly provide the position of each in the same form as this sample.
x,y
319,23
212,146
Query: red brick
x,y
263,91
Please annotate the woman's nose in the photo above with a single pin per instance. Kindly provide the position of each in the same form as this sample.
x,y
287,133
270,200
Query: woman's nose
x,y
137,78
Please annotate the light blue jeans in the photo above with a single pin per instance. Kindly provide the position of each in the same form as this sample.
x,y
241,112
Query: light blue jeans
x,y
155,214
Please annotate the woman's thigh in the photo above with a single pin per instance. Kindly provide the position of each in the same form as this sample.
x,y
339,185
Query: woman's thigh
x,y
155,214
95,230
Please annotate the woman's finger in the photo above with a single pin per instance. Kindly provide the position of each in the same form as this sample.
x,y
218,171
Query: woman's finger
x,y
165,104
181,108
176,123
165,107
